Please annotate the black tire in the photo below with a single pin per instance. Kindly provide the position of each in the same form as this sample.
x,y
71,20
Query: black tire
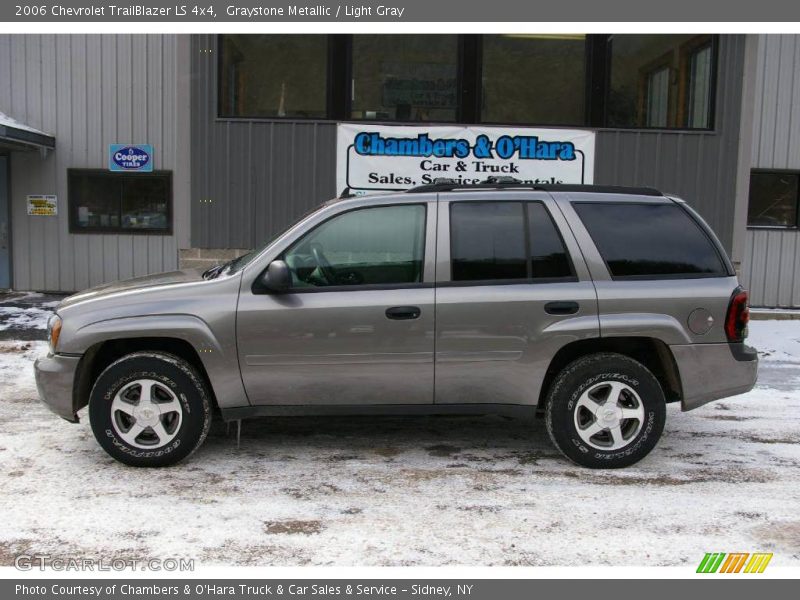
x,y
589,373
174,379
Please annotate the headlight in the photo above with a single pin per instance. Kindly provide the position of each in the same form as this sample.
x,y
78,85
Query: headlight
x,y
53,331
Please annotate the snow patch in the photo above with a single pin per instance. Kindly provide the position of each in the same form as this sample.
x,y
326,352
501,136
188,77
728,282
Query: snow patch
x,y
411,491
777,341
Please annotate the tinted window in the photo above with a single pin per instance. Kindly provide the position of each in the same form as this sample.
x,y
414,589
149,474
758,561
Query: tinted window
x,y
773,199
101,201
371,246
660,81
548,255
555,62
487,241
273,75
405,77
650,240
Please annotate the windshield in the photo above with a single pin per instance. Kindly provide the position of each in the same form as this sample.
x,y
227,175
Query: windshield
x,y
237,264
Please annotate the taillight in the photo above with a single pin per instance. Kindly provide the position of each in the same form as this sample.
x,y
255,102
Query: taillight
x,y
738,316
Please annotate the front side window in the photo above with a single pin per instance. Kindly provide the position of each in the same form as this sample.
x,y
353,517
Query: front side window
x,y
100,202
650,240
270,76
505,241
773,199
371,246
405,77
661,81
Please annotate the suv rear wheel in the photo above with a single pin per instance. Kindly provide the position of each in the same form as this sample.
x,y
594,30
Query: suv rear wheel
x,y
605,410
150,409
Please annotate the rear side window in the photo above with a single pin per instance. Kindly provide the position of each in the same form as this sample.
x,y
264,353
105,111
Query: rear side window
x,y
492,241
548,256
650,240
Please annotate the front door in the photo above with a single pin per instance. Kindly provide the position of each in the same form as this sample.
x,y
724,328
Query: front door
x,y
511,291
5,226
357,326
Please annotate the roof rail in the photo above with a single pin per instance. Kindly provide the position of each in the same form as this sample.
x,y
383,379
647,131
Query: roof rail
x,y
503,183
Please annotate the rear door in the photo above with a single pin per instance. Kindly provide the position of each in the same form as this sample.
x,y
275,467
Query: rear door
x,y
512,289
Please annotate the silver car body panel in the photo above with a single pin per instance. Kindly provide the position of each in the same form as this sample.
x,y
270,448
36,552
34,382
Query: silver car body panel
x,y
495,341
179,305
711,371
335,349
316,346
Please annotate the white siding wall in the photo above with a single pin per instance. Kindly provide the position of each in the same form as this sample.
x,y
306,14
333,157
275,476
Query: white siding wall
x,y
770,266
90,91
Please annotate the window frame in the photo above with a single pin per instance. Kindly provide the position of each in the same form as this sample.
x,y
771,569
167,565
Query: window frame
x,y
724,263
72,208
602,73
459,82
686,52
260,290
333,92
645,78
796,225
597,74
529,279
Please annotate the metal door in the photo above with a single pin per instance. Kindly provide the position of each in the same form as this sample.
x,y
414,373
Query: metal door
x,y
5,226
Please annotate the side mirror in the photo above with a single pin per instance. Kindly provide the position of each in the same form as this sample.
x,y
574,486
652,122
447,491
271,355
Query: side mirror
x,y
277,278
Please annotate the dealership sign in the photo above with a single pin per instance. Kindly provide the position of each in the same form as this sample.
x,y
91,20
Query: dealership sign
x,y
126,157
389,157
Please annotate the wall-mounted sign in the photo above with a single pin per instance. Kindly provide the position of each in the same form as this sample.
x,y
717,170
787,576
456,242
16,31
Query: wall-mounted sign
x,y
390,157
41,205
130,157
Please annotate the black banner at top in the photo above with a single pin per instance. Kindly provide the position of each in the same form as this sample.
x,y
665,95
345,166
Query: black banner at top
x,y
445,11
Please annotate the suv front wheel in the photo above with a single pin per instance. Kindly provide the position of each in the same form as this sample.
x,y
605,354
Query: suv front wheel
x,y
150,409
605,410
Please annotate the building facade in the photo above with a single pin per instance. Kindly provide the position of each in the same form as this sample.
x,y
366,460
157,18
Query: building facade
x,y
245,133
83,93
771,260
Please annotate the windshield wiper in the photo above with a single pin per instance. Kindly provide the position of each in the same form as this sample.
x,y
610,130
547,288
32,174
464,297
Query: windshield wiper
x,y
214,271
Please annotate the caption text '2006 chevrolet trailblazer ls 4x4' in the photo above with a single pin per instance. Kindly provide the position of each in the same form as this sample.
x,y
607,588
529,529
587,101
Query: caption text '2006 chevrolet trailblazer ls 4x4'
x,y
596,305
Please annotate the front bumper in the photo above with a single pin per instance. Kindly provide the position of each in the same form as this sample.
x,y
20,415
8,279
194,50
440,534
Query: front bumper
x,y
55,376
713,371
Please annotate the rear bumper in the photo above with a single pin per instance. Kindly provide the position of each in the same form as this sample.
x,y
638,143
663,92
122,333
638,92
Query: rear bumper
x,y
713,371
55,375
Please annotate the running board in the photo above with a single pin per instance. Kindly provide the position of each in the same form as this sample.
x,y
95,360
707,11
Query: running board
x,y
323,410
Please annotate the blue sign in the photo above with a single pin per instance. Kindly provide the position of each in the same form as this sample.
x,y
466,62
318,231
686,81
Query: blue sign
x,y
128,157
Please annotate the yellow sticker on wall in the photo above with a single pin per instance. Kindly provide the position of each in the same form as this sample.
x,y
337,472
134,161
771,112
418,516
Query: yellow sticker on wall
x,y
41,205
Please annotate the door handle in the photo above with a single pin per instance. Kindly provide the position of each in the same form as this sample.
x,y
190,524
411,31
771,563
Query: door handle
x,y
402,313
561,308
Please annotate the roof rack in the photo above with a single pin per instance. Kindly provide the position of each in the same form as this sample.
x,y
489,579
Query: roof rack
x,y
494,183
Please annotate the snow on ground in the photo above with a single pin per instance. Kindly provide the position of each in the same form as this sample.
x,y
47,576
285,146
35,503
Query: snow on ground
x,y
13,317
412,491
25,314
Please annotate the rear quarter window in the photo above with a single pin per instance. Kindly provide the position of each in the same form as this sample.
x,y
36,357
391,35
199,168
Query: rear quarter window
x,y
649,241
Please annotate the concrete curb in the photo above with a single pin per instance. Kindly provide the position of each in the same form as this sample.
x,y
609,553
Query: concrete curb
x,y
774,315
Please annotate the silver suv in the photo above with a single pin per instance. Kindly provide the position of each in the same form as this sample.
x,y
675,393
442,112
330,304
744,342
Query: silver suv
x,y
594,306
